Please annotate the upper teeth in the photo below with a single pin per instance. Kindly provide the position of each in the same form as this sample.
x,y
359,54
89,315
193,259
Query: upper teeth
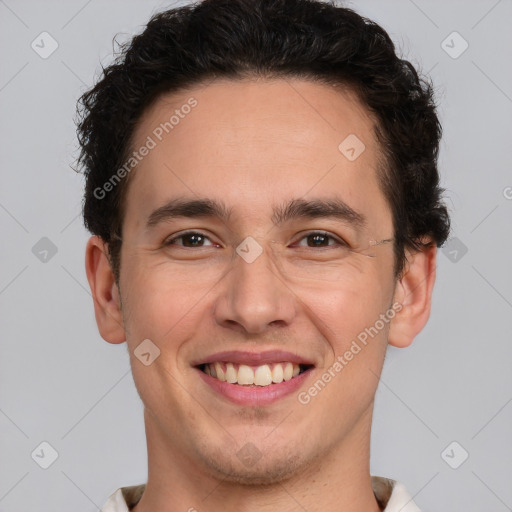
x,y
259,375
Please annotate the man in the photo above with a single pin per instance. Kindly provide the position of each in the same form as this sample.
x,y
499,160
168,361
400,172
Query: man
x,y
264,198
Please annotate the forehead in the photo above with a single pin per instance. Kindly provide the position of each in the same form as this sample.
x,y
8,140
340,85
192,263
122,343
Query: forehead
x,y
253,143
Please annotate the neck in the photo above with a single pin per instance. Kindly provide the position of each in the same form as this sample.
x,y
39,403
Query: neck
x,y
336,481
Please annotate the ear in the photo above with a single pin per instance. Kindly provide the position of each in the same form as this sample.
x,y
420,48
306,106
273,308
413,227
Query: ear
x,y
105,294
414,292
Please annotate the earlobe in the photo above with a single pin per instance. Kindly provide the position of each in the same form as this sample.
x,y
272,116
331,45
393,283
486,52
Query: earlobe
x,y
107,304
414,292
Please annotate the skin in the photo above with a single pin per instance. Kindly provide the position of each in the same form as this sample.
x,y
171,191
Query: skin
x,y
252,144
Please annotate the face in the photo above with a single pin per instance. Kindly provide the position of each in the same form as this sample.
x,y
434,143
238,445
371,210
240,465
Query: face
x,y
286,296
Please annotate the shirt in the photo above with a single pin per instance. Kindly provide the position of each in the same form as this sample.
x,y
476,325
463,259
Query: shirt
x,y
391,496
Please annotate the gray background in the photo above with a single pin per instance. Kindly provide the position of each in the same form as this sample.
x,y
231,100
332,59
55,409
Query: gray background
x,y
61,383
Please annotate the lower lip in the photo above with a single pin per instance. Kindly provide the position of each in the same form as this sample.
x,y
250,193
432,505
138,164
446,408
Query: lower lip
x,y
255,395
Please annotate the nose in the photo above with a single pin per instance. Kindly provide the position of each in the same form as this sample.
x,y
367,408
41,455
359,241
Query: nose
x,y
253,296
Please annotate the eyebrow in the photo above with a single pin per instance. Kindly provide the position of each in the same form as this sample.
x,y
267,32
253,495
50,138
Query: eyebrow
x,y
294,209
318,208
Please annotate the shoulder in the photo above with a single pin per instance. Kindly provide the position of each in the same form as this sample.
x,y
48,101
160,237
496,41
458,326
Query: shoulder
x,y
392,496
124,499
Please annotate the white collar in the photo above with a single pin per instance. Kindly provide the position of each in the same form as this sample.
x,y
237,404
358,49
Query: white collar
x,y
389,493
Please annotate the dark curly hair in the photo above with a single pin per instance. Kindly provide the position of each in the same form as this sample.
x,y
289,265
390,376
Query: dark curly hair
x,y
236,39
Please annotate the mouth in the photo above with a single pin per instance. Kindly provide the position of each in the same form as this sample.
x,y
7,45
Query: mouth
x,y
254,379
255,376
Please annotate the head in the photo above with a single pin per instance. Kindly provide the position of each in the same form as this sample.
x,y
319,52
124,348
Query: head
x,y
244,106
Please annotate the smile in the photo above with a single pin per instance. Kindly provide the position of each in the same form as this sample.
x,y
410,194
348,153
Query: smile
x,y
250,378
245,375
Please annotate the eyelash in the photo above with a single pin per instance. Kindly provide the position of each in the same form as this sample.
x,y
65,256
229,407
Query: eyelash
x,y
340,241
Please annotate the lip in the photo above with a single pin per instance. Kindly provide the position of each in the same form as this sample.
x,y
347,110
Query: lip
x,y
255,395
254,358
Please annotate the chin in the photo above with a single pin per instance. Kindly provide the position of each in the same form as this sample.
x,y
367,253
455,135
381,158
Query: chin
x,y
261,474
269,469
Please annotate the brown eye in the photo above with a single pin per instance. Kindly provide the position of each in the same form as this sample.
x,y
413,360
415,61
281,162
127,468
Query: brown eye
x,y
321,239
190,239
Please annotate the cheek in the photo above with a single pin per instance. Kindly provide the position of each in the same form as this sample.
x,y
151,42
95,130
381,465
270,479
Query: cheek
x,y
156,306
349,317
347,306
351,323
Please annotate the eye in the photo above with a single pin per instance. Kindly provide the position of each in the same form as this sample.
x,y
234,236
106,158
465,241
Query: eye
x,y
189,239
321,239
195,239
